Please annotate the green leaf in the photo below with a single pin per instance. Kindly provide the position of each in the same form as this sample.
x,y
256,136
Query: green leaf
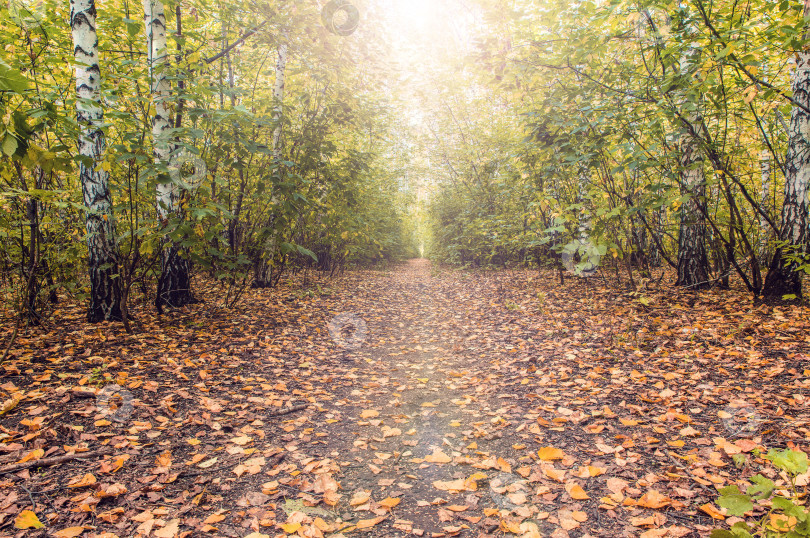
x,y
306,252
12,80
762,488
734,501
9,144
792,461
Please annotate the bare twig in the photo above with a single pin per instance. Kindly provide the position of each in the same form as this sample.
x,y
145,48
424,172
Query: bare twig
x,y
56,460
293,409
11,341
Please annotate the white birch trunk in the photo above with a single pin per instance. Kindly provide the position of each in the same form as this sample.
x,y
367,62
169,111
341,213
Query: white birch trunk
x,y
783,278
765,172
174,284
693,263
155,22
101,242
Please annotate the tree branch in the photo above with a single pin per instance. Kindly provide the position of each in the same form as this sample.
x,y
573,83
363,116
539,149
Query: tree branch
x,y
236,43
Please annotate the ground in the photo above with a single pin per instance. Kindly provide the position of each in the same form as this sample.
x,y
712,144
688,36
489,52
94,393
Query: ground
x,y
411,401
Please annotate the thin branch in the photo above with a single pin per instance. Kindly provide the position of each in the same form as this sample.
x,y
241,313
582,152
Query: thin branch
x,y
236,43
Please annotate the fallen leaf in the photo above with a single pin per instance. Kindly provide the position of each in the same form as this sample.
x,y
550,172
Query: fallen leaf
x,y
27,520
549,453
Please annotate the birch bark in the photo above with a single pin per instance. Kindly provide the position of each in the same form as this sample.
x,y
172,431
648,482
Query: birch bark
x,y
783,277
693,263
105,291
174,284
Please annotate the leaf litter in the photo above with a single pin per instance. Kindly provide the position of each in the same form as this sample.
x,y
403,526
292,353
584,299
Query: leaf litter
x,y
477,404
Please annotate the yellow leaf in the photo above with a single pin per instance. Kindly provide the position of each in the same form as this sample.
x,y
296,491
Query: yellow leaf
x,y
33,455
628,422
369,413
11,403
550,453
290,528
27,520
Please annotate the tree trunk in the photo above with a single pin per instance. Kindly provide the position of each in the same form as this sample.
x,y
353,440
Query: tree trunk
x,y
783,277
174,282
765,170
105,291
693,264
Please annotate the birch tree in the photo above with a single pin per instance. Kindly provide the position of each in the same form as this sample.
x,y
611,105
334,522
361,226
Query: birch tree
x,y
105,291
783,277
174,284
693,263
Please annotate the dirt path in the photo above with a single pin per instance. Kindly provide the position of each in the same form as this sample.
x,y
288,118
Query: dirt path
x,y
443,403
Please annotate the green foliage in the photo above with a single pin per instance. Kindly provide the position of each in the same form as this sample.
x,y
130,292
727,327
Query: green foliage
x,y
784,512
329,201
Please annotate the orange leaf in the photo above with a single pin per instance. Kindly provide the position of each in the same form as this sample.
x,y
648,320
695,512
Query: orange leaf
x,y
550,453
654,499
710,509
360,497
86,480
438,457
368,523
576,491
70,532
390,502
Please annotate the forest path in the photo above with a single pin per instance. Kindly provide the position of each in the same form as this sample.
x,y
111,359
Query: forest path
x,y
441,403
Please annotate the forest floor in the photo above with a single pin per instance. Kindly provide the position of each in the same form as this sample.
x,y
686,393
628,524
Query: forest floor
x,y
442,403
